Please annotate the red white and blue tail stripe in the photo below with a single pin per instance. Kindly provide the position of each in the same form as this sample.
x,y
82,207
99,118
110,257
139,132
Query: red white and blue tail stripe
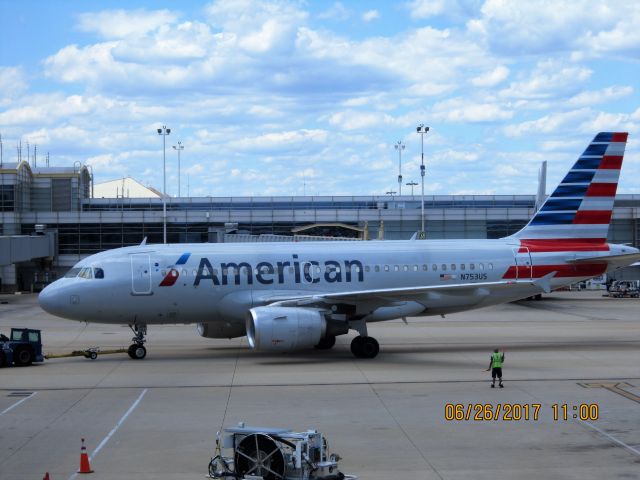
x,y
579,210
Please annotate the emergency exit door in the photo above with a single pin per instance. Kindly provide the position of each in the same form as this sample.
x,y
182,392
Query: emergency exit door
x,y
141,274
524,266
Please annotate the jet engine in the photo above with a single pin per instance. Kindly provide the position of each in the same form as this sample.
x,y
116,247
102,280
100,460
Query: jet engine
x,y
284,328
221,330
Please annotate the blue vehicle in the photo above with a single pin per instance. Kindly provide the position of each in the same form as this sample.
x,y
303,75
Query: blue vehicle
x,y
23,348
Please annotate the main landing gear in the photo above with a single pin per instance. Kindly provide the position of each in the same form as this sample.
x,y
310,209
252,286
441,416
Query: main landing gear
x,y
363,346
137,350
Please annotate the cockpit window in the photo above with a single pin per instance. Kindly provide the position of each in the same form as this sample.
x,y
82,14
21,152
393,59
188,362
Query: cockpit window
x,y
86,272
73,273
98,273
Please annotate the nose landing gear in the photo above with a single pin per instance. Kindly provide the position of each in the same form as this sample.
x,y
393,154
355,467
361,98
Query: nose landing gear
x,y
137,351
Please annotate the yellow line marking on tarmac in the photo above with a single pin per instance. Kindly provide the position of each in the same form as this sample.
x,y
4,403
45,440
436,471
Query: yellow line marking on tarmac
x,y
615,388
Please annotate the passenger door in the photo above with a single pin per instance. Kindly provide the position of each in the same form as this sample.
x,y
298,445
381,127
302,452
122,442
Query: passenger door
x,y
141,274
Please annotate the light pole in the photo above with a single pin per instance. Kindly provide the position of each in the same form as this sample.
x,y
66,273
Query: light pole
x,y
179,147
164,131
411,184
422,130
399,147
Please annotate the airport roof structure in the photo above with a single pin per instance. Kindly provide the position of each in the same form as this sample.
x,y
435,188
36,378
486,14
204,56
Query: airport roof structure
x,y
125,187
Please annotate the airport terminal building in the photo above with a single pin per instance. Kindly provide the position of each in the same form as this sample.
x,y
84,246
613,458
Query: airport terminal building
x,y
50,219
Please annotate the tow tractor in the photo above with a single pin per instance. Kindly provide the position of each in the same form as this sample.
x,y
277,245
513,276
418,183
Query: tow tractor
x,y
274,454
23,347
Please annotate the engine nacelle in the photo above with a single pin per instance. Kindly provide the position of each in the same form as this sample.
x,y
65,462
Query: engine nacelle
x,y
221,330
284,328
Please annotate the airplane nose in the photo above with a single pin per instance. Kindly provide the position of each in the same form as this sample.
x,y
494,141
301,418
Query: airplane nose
x,y
50,300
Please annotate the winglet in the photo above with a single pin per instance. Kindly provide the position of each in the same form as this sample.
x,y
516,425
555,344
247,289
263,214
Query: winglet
x,y
544,283
144,241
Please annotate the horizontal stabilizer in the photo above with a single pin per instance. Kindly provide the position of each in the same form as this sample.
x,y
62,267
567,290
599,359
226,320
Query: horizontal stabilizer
x,y
612,260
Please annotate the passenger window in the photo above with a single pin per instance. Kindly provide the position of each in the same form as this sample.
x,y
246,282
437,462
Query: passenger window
x,y
185,272
444,267
377,268
491,266
396,268
195,272
481,266
462,266
425,267
367,268
453,266
98,273
434,267
472,266
386,268
163,272
406,268
415,268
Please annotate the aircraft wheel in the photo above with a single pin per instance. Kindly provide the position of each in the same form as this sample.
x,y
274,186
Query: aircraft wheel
x,y
326,343
137,352
365,347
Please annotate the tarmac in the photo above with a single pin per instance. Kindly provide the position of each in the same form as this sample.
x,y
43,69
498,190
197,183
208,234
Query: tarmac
x,y
388,417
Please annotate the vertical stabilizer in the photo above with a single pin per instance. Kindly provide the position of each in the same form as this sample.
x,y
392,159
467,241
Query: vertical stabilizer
x,y
580,207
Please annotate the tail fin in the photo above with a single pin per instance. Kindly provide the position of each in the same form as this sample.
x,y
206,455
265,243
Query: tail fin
x,y
580,207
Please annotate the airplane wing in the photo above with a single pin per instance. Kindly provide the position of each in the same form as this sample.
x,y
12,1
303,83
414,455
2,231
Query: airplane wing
x,y
385,296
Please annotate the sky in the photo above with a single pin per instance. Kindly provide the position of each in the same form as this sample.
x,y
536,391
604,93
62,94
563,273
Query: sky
x,y
286,98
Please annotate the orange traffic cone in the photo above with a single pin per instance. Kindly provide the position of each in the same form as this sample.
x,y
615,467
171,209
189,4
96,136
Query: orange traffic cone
x,y
84,460
46,476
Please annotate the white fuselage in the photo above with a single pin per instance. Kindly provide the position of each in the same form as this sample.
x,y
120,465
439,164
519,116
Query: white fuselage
x,y
219,283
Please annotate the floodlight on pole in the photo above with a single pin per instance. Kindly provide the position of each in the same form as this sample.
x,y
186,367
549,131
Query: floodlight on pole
x,y
411,184
164,131
179,147
422,130
399,146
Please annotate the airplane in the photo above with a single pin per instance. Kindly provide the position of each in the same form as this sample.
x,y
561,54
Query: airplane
x,y
290,296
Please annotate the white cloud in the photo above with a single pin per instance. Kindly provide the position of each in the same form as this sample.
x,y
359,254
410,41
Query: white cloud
x,y
288,139
463,110
421,9
491,78
550,123
337,12
370,15
124,23
12,83
593,97
549,79
538,27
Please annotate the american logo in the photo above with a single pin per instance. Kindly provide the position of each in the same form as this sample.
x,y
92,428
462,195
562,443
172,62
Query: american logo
x,y
172,275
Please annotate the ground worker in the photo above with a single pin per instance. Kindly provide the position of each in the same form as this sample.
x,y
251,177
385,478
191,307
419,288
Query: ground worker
x,y
495,365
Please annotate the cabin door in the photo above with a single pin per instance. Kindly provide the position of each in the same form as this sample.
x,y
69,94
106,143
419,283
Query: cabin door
x,y
140,274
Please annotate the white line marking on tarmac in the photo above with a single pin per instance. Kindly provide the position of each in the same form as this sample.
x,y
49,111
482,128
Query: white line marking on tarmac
x,y
611,437
113,430
8,409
